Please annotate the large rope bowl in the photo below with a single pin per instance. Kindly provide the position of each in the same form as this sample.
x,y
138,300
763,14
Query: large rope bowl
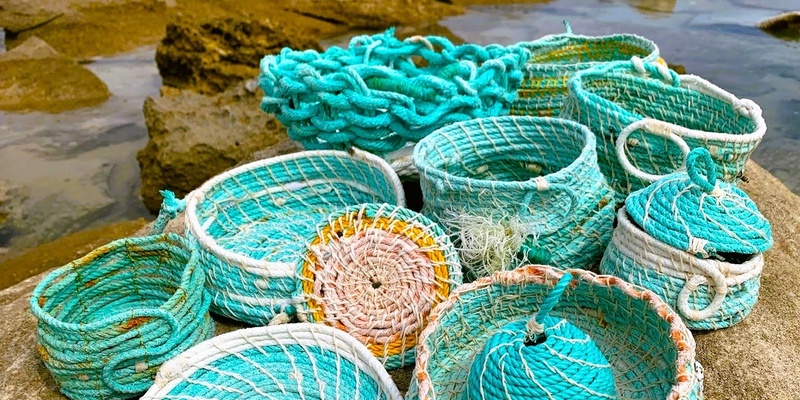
x,y
252,222
289,362
376,271
650,350
107,321
382,92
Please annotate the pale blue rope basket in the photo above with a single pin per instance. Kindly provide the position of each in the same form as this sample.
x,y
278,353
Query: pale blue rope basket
x,y
107,321
650,351
696,242
556,58
516,189
374,95
637,108
251,223
284,362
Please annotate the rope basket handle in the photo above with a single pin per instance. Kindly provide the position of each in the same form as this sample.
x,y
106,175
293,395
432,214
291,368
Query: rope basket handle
x,y
658,128
170,208
708,183
542,186
534,326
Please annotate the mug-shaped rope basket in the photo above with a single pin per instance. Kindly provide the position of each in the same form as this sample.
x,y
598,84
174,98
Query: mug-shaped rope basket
x,y
107,321
650,351
381,92
647,118
375,271
289,362
517,189
252,222
556,58
696,242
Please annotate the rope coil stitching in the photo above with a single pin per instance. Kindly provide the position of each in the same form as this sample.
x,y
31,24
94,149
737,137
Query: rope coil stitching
x,y
107,321
375,96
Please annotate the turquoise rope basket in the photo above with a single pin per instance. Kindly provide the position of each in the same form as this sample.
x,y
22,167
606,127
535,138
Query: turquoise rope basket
x,y
647,118
107,321
381,92
484,342
251,223
696,242
556,58
516,189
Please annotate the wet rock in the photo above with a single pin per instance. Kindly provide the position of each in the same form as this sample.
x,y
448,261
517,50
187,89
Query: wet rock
x,y
34,77
194,137
375,14
679,68
213,55
785,26
12,196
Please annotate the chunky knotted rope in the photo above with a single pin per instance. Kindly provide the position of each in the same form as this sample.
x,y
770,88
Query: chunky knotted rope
x,y
699,214
292,362
648,117
377,97
107,321
556,58
544,357
516,189
376,271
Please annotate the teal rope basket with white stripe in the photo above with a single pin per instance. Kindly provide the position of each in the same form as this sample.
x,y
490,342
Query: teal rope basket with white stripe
x,y
107,321
381,92
647,118
556,58
301,361
696,242
516,189
603,338
252,222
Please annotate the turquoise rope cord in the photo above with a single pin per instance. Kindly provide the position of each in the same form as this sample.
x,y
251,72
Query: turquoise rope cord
x,y
107,321
170,208
373,96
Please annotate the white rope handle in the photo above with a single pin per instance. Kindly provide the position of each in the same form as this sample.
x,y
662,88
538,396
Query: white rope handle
x,y
656,127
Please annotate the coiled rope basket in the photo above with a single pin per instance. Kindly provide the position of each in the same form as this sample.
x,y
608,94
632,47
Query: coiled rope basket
x,y
252,223
556,58
648,117
696,242
376,271
292,362
382,93
517,189
107,321
650,351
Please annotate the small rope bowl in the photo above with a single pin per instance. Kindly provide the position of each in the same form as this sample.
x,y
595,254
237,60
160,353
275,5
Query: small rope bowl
x,y
650,350
301,361
516,189
647,119
376,271
382,92
251,223
556,58
107,321
696,242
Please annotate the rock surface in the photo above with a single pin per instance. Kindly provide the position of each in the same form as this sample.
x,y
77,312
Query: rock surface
x,y
784,26
194,137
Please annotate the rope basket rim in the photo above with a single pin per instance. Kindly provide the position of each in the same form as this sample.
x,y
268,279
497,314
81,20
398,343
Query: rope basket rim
x,y
267,268
424,166
540,45
118,245
685,82
549,276
174,371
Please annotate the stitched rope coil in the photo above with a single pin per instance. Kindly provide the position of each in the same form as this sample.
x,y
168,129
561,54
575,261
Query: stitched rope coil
x,y
544,357
651,352
556,58
517,189
292,362
107,321
252,222
374,96
647,119
375,271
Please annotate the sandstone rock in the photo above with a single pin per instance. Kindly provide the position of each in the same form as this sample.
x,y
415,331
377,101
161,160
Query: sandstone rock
x,y
34,77
194,137
784,26
375,14
211,56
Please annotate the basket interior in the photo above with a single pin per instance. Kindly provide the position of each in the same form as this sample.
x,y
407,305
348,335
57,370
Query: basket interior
x,y
578,50
268,211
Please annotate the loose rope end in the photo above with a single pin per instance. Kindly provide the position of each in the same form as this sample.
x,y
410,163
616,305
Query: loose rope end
x,y
535,325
